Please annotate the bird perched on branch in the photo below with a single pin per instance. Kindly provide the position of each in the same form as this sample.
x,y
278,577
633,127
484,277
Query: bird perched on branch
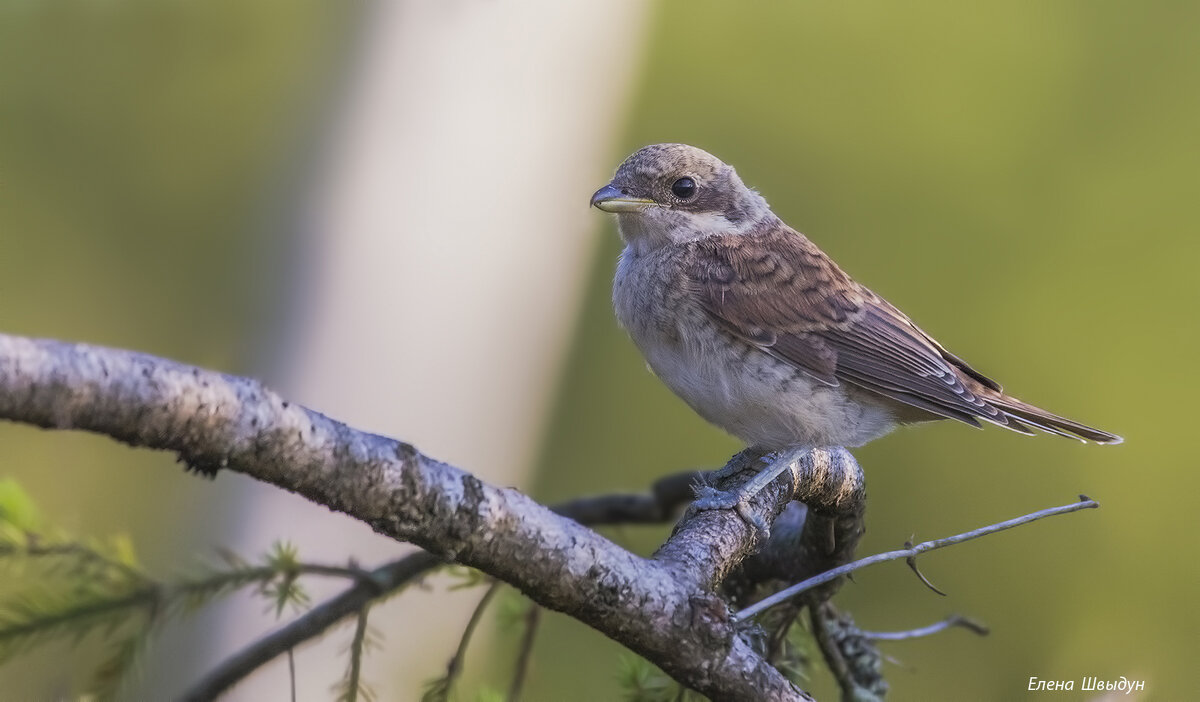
x,y
762,334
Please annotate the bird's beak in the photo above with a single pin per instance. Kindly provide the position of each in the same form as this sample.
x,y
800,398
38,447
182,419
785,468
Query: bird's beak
x,y
611,199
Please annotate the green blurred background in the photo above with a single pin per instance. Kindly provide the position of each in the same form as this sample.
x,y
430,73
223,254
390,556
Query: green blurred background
x,y
1021,179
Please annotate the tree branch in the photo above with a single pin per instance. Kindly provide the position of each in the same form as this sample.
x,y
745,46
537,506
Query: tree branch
x,y
525,653
662,608
854,661
386,578
665,498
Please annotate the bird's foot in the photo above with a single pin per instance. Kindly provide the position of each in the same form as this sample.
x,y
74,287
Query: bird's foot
x,y
710,498
738,499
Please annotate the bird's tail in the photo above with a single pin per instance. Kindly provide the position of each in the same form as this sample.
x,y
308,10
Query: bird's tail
x,y
1021,416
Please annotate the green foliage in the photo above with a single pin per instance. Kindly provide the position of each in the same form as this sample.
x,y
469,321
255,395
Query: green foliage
x,y
440,689
285,590
352,687
641,681
67,588
786,644
17,511
511,611
121,664
466,578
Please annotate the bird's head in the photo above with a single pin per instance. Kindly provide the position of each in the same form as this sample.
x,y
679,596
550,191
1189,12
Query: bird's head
x,y
672,193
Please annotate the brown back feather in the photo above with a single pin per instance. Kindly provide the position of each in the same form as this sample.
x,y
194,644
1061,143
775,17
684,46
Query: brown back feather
x,y
775,289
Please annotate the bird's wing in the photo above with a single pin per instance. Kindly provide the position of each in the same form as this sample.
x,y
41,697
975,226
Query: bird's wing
x,y
778,291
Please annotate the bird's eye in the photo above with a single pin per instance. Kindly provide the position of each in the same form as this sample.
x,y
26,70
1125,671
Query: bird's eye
x,y
684,188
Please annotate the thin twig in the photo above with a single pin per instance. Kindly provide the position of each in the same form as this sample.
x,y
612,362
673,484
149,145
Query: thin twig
x,y
292,671
951,621
454,668
912,563
388,578
33,548
775,645
351,572
526,653
790,592
356,654
666,496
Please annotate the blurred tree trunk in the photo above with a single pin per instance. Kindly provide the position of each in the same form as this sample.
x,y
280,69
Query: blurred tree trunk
x,y
447,232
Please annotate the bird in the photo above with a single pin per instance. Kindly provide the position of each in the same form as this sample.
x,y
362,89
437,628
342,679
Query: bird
x,y
763,334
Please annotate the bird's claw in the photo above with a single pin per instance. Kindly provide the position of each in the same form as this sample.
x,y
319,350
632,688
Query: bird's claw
x,y
710,498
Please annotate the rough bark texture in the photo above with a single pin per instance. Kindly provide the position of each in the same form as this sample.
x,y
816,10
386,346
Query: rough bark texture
x,y
664,607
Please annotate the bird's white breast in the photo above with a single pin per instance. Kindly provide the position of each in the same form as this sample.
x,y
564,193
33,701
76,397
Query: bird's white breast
x,y
760,399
